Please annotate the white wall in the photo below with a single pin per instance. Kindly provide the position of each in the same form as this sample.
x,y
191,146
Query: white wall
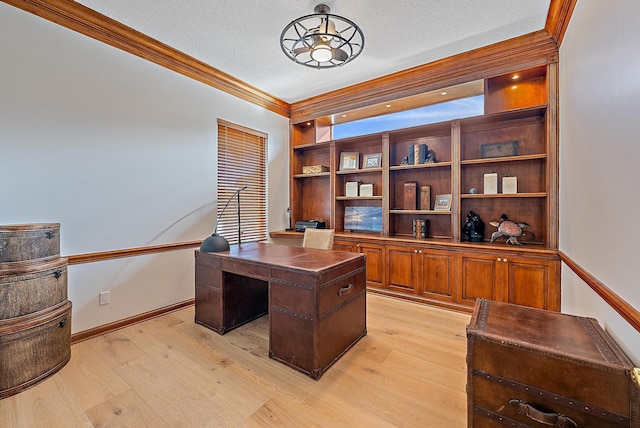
x,y
600,160
121,153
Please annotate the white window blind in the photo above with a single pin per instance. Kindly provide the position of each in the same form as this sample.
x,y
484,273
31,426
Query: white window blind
x,y
242,161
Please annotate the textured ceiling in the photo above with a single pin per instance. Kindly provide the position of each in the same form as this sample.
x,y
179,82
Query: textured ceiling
x,y
241,37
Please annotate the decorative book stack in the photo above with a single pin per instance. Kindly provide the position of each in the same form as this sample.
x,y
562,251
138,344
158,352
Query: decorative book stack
x,y
419,228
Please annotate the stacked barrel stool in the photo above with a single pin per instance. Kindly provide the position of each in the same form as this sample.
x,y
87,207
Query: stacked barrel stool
x,y
35,315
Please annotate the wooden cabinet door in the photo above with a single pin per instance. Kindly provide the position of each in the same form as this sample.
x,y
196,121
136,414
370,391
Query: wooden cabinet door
x,y
403,268
503,277
344,246
532,283
375,263
478,277
436,274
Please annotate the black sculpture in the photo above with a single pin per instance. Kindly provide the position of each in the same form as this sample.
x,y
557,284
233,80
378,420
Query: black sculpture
x,y
473,229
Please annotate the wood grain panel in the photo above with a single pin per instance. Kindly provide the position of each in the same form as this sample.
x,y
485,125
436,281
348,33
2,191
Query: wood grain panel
x,y
375,263
529,284
438,268
477,277
403,273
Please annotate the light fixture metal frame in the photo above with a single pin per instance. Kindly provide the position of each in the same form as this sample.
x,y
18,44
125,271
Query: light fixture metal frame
x,y
302,35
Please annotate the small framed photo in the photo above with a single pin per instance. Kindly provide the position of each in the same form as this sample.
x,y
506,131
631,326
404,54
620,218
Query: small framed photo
x,y
443,203
349,160
372,160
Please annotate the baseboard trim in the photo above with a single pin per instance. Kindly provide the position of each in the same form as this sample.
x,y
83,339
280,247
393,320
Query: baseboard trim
x,y
126,322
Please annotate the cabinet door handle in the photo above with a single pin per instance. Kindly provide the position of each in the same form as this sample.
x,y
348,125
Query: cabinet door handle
x,y
553,419
345,290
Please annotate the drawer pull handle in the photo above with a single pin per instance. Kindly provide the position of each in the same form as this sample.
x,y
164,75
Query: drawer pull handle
x,y
552,419
345,290
62,323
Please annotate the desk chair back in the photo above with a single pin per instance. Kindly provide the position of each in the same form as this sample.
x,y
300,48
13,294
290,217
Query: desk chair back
x,y
318,238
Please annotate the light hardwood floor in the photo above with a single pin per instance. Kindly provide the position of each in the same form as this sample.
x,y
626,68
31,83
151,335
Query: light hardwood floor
x,y
409,371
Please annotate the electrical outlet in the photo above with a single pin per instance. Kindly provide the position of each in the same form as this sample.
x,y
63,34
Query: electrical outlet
x,y
105,297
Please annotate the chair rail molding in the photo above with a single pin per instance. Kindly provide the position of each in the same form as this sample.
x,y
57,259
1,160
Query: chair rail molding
x,y
621,306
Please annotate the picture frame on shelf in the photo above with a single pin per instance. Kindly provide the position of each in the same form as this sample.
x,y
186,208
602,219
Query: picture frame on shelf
x,y
349,160
443,203
373,160
499,150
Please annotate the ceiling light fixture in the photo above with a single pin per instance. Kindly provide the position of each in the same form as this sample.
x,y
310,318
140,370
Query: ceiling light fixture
x,y
322,40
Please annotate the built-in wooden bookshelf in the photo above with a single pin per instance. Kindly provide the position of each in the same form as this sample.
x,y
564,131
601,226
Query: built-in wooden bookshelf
x,y
518,118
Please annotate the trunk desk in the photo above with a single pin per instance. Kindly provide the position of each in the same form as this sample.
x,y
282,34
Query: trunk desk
x,y
316,299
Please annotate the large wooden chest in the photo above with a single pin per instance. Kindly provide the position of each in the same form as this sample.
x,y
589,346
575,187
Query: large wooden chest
x,y
314,318
530,367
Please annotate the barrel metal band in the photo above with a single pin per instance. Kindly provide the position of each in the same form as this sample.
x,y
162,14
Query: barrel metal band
x,y
292,284
341,305
550,396
502,420
342,277
291,313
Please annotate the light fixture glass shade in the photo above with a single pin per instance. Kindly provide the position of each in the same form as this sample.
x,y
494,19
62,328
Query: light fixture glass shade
x,y
322,40
321,53
214,244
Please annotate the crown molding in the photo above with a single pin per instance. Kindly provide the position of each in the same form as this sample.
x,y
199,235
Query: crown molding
x,y
84,20
560,12
522,52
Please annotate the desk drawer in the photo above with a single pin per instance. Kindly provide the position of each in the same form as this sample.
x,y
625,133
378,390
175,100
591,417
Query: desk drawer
x,y
339,291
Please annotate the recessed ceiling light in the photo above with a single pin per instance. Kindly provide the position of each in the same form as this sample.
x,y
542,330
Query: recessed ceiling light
x,y
515,77
344,115
388,105
443,93
308,123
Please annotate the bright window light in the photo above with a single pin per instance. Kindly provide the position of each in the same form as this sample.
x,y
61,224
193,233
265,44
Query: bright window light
x,y
449,110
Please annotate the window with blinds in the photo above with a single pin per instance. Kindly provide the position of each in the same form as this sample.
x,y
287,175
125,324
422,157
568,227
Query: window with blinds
x,y
242,161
